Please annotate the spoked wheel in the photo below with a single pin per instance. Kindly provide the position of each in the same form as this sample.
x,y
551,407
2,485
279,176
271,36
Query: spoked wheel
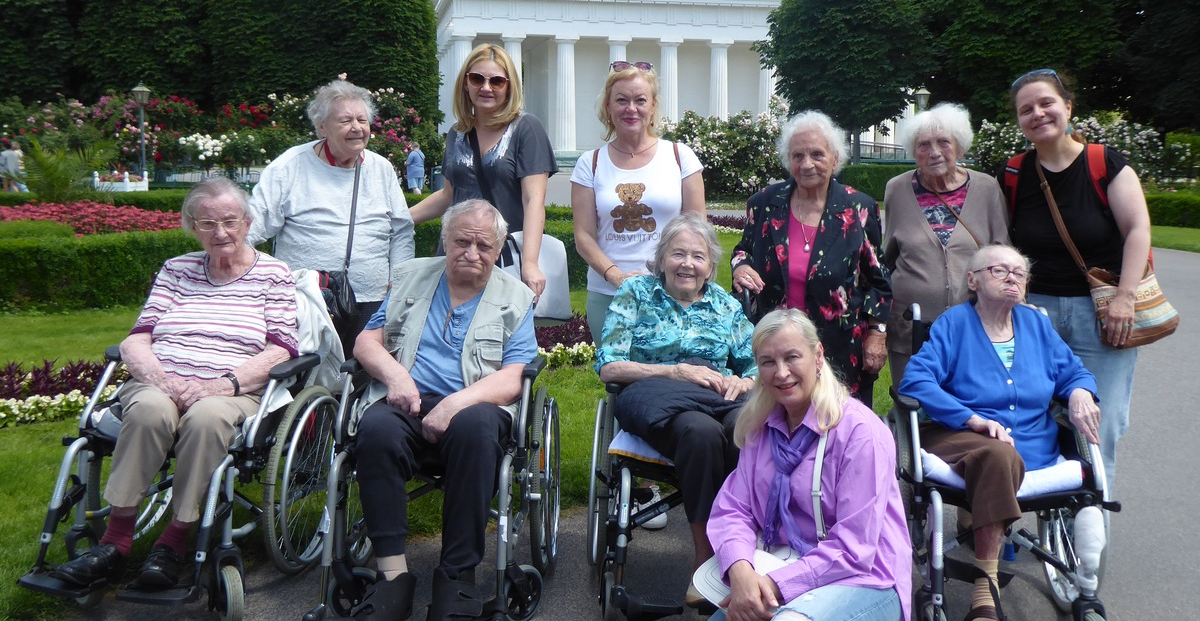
x,y
342,601
544,512
357,541
231,595
522,606
153,506
607,608
598,491
1053,530
294,484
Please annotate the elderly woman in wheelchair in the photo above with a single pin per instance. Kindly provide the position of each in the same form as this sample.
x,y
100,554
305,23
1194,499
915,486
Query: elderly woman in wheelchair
x,y
215,323
682,344
985,378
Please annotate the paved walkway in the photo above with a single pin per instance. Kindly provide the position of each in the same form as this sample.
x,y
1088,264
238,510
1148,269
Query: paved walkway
x,y
1153,547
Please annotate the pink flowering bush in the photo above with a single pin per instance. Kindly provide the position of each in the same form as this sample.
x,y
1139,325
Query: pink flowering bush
x,y
92,218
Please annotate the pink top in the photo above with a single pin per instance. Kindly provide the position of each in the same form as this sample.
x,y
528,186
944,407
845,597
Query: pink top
x,y
799,256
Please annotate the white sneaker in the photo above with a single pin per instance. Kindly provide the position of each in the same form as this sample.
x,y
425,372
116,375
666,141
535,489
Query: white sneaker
x,y
659,521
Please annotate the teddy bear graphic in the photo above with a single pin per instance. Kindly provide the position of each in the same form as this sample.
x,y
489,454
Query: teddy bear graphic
x,y
632,214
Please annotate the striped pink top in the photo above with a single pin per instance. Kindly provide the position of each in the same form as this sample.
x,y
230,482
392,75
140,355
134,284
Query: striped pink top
x,y
200,330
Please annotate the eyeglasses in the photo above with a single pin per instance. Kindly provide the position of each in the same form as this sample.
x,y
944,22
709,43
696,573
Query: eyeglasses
x,y
1037,72
999,272
477,80
622,65
208,226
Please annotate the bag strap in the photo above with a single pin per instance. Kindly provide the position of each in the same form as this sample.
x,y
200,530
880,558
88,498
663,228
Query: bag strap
x,y
1058,220
956,216
1012,172
818,517
484,186
1093,153
353,216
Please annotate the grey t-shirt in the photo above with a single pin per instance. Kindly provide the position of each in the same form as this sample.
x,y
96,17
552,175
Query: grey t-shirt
x,y
523,150
9,162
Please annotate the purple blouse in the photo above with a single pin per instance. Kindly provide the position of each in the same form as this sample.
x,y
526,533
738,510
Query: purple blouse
x,y
867,542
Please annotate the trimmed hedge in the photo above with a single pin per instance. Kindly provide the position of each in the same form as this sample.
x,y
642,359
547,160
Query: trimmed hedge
x,y
871,179
558,224
154,200
97,271
34,228
1174,209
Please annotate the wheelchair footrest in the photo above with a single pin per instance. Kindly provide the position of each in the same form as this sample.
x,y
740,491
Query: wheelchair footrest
x,y
968,572
43,582
648,608
165,597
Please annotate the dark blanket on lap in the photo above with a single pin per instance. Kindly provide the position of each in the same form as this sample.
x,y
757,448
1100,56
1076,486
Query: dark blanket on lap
x,y
647,403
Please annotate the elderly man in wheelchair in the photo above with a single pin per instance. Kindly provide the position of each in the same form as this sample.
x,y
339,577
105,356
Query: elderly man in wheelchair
x,y
445,353
985,378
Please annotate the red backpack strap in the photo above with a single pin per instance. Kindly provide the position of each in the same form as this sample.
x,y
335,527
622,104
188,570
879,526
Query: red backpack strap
x,y
677,160
1012,171
1098,170
595,159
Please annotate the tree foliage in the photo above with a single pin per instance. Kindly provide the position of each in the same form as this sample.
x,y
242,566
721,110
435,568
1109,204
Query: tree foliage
x,y
981,46
1162,62
852,59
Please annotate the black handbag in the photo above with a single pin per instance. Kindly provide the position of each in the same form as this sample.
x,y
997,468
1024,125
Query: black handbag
x,y
335,286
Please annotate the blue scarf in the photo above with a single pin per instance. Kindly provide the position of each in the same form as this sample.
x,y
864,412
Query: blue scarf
x,y
786,454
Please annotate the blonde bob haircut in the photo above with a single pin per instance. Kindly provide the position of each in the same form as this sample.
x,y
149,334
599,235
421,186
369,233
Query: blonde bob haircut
x,y
464,110
610,128
828,397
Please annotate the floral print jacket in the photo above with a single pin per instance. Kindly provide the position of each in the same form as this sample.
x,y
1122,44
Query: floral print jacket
x,y
847,282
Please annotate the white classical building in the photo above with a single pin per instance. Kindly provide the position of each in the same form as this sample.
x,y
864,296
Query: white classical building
x,y
701,50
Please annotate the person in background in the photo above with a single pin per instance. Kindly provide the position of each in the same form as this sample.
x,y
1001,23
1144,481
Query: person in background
x,y
414,169
10,167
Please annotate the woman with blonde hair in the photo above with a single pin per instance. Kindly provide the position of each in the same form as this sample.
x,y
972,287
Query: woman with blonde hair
x,y
853,559
498,152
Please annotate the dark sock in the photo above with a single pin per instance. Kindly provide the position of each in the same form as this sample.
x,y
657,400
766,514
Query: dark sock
x,y
120,532
176,537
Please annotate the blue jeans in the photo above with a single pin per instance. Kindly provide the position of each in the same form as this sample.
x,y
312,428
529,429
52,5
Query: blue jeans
x,y
1074,319
835,602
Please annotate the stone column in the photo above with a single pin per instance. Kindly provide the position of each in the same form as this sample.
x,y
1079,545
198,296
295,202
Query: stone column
x,y
766,88
458,50
563,106
512,46
668,78
718,81
616,48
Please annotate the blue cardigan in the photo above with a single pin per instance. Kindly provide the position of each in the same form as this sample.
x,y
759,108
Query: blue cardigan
x,y
957,374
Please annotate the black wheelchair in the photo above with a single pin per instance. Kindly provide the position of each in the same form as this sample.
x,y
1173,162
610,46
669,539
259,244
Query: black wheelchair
x,y
284,449
528,492
1073,580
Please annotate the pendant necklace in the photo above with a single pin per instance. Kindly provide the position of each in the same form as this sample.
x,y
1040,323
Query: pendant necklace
x,y
632,154
804,235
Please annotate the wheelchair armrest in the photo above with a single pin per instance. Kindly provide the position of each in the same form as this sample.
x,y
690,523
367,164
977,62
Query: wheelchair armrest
x,y
613,388
908,403
534,368
295,366
113,353
350,366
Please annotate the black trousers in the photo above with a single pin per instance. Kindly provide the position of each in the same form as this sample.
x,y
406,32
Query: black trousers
x,y
390,450
704,454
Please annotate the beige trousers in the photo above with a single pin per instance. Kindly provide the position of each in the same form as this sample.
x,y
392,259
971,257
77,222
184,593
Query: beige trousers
x,y
149,428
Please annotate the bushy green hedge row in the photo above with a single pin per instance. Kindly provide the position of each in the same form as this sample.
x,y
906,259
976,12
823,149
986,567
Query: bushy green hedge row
x,y
154,200
1174,209
30,228
871,179
98,271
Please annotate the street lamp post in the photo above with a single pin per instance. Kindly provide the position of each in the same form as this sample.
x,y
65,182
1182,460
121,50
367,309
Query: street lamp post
x,y
141,95
922,99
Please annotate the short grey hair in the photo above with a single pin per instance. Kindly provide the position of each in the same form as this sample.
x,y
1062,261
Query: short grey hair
x,y
321,106
950,117
471,205
686,223
814,120
208,190
983,257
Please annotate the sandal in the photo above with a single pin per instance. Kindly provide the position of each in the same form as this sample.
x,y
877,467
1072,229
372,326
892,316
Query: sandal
x,y
982,612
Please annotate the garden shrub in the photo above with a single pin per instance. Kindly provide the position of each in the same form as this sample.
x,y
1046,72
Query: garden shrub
x,y
98,271
871,179
91,218
558,212
1174,209
34,228
428,233
738,153
11,199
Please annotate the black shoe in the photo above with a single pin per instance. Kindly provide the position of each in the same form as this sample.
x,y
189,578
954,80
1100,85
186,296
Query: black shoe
x,y
454,598
391,600
161,569
98,563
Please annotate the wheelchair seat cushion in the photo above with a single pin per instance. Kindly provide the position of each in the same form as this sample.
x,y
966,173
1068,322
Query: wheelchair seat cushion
x,y
629,445
1065,475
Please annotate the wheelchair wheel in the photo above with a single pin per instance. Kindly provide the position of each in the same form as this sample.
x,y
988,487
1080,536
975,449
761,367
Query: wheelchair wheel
x,y
294,484
904,455
607,608
599,492
342,601
523,605
544,512
231,594
1055,528
153,507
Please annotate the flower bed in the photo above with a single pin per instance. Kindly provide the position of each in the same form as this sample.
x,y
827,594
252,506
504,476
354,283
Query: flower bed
x,y
92,218
25,395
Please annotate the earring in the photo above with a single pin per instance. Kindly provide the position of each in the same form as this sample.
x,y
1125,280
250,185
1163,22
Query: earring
x,y
818,373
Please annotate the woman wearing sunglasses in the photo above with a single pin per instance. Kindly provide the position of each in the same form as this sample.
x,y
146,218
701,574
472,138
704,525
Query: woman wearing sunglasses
x,y
623,192
498,152
1115,236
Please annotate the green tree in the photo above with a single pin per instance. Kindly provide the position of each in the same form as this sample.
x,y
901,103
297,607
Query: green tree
x,y
851,59
39,43
981,46
1163,66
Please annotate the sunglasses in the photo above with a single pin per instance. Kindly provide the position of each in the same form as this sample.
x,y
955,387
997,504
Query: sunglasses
x,y
478,79
622,65
1035,73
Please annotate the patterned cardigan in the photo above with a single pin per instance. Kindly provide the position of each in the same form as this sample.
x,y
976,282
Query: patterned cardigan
x,y
847,282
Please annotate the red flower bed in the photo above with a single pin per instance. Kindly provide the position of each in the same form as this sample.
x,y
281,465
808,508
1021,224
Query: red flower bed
x,y
92,218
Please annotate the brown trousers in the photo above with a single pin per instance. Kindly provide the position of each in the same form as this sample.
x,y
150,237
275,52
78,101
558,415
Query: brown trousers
x,y
992,469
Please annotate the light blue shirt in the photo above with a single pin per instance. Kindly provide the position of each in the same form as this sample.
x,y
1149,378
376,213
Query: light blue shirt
x,y
415,163
438,366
